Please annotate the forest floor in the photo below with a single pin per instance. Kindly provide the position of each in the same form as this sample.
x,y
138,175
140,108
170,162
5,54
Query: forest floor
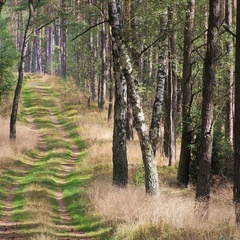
x,y
41,194
62,188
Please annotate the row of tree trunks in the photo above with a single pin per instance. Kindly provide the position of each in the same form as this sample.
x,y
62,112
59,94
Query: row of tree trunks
x,y
171,90
151,175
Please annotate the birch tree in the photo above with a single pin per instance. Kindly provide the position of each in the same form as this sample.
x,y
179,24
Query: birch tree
x,y
151,175
161,78
120,167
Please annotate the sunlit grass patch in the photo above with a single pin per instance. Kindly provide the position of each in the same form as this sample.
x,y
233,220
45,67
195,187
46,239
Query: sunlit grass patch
x,y
139,216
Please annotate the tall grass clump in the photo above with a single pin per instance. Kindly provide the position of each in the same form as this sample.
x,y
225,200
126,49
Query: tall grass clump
x,y
139,216
26,139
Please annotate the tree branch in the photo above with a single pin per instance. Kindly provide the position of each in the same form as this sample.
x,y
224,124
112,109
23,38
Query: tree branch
x,y
146,48
229,31
48,23
93,26
193,40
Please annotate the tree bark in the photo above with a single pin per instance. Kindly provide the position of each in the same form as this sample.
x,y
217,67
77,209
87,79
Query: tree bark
x,y
204,171
151,175
161,78
120,165
27,33
173,84
236,185
229,79
103,78
170,98
63,39
37,47
185,154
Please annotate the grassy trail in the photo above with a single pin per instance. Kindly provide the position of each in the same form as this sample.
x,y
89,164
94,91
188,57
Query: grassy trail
x,y
42,196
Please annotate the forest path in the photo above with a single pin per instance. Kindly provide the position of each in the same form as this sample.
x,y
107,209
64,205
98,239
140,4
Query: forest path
x,y
33,206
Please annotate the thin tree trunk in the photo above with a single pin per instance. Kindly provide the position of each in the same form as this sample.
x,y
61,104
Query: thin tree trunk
x,y
185,154
18,89
37,52
63,39
161,78
111,83
204,171
229,80
236,186
151,175
173,83
103,77
49,46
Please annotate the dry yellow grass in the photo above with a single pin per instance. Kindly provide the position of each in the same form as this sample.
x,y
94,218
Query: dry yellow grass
x,y
131,208
134,209
26,139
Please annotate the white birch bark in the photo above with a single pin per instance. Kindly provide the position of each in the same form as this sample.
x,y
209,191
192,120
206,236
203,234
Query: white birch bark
x,y
151,174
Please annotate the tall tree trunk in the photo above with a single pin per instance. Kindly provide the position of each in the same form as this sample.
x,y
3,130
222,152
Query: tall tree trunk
x,y
63,39
49,45
103,78
92,66
120,165
111,83
229,79
19,30
151,175
129,129
236,186
170,98
37,47
18,89
161,78
204,171
185,154
173,81
28,61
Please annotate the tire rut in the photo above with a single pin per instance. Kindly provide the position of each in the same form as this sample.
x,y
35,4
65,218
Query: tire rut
x,y
67,168
8,228
64,230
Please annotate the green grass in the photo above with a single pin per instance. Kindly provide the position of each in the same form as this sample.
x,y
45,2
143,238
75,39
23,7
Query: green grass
x,y
43,177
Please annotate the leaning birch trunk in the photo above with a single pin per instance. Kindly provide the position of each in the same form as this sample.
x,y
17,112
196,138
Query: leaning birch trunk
x,y
18,89
161,77
151,174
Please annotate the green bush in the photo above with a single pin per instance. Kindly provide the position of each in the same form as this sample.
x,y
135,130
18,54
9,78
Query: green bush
x,y
8,59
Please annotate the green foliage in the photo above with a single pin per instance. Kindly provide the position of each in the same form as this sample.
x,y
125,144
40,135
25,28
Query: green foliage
x,y
138,177
8,56
222,154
